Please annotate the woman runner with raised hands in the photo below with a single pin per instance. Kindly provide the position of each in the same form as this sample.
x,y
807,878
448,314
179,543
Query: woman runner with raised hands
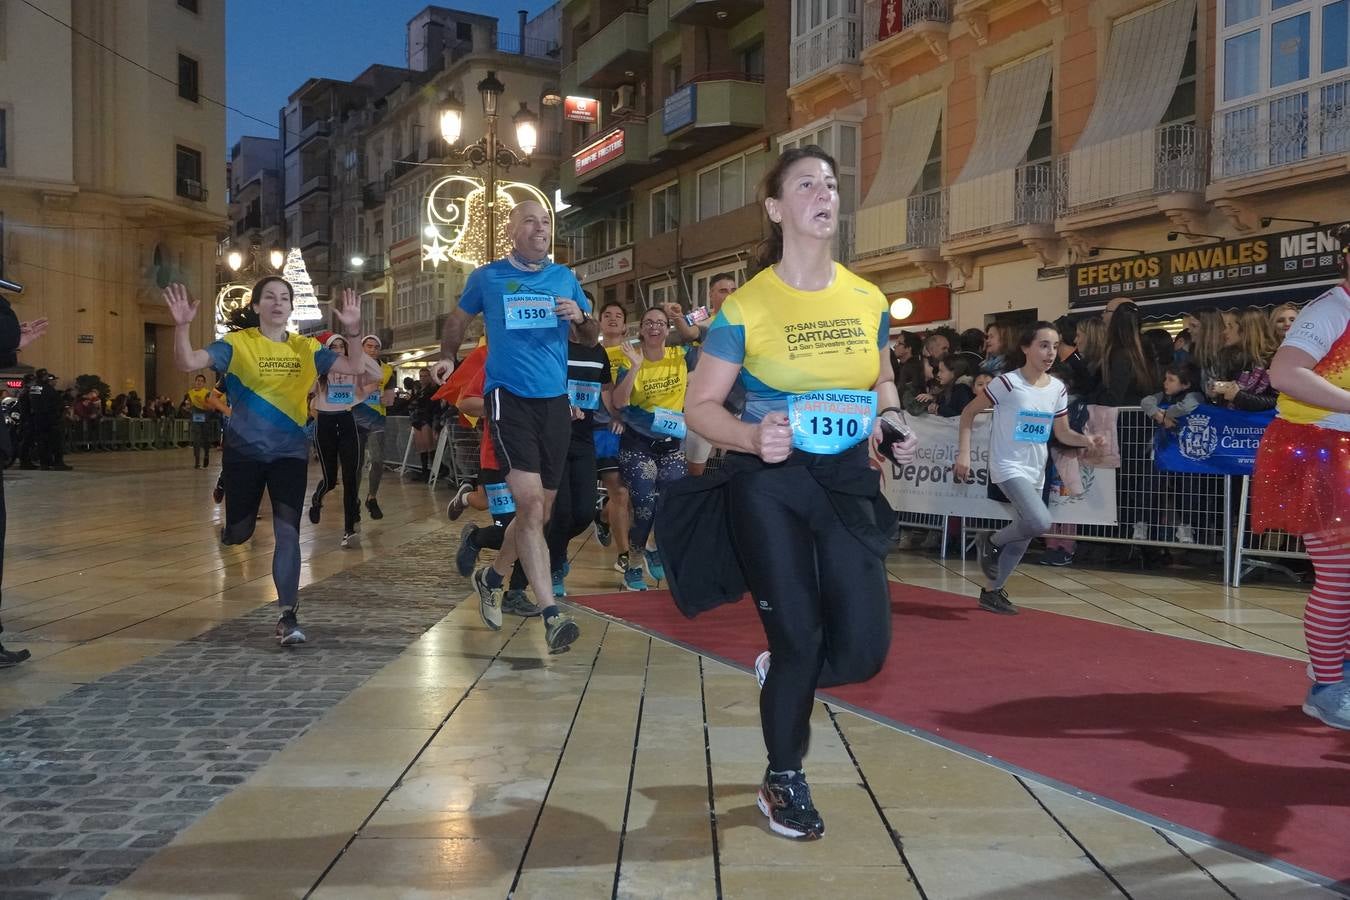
x,y
268,375
806,340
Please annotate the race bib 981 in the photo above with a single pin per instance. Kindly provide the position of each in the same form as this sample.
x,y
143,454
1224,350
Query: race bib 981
x,y
583,394
529,311
500,501
829,422
1033,426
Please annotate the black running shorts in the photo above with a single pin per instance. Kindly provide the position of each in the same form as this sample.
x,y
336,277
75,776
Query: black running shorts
x,y
531,435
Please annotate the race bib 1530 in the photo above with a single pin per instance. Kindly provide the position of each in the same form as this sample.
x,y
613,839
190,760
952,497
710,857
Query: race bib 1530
x,y
529,311
829,422
1033,426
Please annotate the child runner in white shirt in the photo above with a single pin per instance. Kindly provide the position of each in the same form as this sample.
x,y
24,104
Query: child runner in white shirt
x,y
1029,406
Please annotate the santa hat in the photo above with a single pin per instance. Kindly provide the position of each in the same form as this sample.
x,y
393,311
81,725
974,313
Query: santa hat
x,y
379,344
328,337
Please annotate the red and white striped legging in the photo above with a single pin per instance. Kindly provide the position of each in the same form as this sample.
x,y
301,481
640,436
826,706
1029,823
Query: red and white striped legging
x,y
1326,619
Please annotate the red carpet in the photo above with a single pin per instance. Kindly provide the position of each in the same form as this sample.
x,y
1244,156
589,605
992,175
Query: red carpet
x,y
1209,738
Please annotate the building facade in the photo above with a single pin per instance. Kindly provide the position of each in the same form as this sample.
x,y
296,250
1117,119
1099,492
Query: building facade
x,y
112,179
681,102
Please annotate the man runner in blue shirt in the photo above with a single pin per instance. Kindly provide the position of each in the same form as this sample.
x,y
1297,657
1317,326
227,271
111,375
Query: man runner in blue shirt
x,y
530,305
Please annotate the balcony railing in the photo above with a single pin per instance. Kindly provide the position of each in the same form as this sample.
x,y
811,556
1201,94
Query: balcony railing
x,y
191,189
911,11
527,46
925,225
835,42
316,236
1000,200
843,237
1164,160
1282,130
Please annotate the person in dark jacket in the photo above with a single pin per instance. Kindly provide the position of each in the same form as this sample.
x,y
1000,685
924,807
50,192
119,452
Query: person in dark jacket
x,y
1127,376
14,336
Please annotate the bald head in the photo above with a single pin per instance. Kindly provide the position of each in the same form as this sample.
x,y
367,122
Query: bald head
x,y
531,230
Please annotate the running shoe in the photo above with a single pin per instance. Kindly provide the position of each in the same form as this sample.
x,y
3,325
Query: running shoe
x,y
466,557
602,531
560,631
349,539
654,567
997,602
288,629
762,668
988,555
1056,557
1345,671
518,603
621,563
489,600
458,503
218,492
786,800
633,580
12,657
315,509
373,506
1331,705
559,589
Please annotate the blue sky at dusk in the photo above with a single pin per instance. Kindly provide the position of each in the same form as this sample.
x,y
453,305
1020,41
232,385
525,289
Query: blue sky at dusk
x,y
273,46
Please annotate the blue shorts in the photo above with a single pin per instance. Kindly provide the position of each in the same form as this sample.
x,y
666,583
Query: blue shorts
x,y
606,450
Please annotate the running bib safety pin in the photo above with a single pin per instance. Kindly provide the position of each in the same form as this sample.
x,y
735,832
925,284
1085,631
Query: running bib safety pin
x,y
830,422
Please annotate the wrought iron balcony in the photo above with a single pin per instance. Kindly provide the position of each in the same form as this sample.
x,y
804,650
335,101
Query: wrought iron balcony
x,y
1282,130
837,41
1002,200
1169,159
917,221
912,13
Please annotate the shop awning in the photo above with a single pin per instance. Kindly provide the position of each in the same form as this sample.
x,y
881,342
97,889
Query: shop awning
x,y
1143,64
1163,308
905,151
1008,117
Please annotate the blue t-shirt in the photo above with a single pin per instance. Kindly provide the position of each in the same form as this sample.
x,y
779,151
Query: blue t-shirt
x,y
527,360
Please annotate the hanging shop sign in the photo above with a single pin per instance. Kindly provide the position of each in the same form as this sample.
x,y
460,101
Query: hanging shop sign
x,y
605,266
581,109
1287,257
680,109
597,154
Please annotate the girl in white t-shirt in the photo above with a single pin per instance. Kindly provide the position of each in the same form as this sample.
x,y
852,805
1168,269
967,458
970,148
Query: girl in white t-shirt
x,y
1029,406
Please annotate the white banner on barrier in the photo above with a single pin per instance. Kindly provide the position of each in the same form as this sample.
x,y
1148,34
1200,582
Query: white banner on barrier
x,y
928,485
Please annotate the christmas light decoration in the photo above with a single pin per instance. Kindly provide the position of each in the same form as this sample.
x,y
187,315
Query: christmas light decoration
x,y
232,297
306,305
456,219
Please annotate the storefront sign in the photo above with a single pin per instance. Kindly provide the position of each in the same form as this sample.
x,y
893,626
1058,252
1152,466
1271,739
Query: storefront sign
x,y
680,109
581,109
605,266
1292,256
597,154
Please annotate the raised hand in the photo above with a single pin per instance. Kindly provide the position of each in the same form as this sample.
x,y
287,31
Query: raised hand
x,y
31,331
349,312
633,353
181,305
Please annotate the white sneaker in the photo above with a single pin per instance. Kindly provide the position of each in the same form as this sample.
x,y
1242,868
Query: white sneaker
x,y
1185,535
1141,531
762,668
349,540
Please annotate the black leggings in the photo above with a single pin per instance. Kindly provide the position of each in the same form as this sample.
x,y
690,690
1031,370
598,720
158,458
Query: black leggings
x,y
335,436
821,594
574,507
284,480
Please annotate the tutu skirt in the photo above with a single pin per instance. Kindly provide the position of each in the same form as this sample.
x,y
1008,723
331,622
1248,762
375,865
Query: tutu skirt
x,y
1302,480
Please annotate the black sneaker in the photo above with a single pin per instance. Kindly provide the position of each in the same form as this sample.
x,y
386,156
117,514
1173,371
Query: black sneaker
x,y
518,603
218,492
458,503
997,602
466,557
786,800
560,631
988,555
602,530
12,657
314,510
373,506
621,564
288,629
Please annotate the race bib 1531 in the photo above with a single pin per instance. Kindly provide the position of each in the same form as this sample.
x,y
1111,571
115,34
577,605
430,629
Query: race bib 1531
x,y
500,501
830,422
529,311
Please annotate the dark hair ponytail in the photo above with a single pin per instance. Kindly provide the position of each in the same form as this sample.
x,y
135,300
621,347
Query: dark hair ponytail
x,y
771,248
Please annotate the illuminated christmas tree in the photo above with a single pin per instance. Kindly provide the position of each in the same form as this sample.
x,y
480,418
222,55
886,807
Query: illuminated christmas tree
x,y
306,307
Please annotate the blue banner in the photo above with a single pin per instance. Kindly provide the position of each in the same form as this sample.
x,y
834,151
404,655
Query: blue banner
x,y
680,109
1211,441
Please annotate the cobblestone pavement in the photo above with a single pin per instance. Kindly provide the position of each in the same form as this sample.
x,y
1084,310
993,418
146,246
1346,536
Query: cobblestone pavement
x,y
93,783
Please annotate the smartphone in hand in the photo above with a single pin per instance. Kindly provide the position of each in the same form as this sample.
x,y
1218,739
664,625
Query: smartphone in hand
x,y
892,436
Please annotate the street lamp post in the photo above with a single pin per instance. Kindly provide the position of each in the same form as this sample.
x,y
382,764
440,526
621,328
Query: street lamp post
x,y
488,150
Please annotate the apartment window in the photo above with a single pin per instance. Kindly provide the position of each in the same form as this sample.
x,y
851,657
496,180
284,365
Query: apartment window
x,y
189,5
665,208
188,167
1271,45
752,61
1181,109
730,184
4,138
661,293
187,78
931,177
463,31
1335,36
1042,140
620,227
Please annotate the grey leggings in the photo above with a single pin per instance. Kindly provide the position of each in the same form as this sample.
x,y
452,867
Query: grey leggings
x,y
1030,519
372,448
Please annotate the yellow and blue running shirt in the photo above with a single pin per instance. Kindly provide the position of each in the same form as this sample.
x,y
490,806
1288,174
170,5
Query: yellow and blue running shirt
x,y
658,384
268,384
790,342
528,354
